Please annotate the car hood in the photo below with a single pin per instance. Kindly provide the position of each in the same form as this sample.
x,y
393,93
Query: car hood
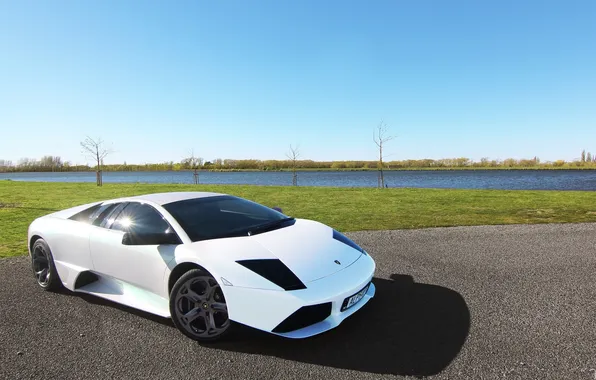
x,y
308,249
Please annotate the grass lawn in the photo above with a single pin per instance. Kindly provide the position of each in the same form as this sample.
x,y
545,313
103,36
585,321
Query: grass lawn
x,y
342,208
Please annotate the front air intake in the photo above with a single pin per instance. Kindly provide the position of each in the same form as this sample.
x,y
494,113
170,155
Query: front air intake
x,y
303,317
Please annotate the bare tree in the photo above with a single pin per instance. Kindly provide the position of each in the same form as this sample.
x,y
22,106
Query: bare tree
x,y
380,137
194,163
293,154
96,151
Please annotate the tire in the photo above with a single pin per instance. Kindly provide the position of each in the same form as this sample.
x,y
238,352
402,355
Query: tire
x,y
198,307
44,269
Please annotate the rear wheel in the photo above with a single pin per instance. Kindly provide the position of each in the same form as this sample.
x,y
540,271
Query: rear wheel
x,y
198,307
43,266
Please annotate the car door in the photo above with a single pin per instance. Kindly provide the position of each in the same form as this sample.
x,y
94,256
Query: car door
x,y
142,265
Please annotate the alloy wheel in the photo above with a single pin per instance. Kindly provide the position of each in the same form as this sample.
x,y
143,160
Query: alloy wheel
x,y
41,265
200,308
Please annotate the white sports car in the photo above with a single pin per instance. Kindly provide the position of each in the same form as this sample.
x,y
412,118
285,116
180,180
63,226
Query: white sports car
x,y
205,260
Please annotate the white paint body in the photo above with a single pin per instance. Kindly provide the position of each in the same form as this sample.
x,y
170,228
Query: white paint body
x,y
137,276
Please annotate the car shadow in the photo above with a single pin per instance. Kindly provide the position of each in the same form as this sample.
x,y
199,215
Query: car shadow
x,y
406,329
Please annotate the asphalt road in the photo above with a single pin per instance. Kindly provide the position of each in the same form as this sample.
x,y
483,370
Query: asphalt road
x,y
460,303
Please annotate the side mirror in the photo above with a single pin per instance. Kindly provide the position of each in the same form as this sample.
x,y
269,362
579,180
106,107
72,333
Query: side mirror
x,y
277,209
131,238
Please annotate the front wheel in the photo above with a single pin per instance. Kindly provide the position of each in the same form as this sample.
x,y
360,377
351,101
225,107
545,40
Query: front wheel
x,y
198,307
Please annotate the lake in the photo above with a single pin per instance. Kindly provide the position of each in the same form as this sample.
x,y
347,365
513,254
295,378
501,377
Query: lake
x,y
456,179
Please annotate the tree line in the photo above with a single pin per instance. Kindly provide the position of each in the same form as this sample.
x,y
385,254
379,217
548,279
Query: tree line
x,y
57,164
96,150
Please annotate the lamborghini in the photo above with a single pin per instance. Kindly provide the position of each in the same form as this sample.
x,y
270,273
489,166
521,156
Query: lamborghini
x,y
205,260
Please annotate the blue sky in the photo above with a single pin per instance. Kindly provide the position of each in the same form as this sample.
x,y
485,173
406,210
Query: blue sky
x,y
244,79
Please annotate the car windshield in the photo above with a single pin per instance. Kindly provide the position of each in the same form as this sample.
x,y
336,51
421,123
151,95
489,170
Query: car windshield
x,y
224,216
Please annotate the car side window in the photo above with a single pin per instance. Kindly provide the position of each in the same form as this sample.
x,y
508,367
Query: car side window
x,y
140,218
85,215
112,215
102,212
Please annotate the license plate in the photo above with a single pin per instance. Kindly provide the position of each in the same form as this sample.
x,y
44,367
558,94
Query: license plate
x,y
353,300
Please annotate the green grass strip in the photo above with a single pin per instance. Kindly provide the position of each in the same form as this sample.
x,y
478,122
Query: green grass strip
x,y
346,209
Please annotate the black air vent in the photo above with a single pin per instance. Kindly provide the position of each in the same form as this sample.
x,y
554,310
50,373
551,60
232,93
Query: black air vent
x,y
303,317
85,278
275,271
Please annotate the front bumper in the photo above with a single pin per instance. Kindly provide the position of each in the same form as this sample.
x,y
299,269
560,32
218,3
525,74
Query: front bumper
x,y
267,309
332,320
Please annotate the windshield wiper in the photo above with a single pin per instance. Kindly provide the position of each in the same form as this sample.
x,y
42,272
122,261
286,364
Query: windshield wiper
x,y
269,226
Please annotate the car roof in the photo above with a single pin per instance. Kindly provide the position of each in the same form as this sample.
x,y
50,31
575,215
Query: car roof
x,y
169,197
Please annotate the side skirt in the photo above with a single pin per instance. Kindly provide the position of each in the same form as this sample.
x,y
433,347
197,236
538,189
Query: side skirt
x,y
121,292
